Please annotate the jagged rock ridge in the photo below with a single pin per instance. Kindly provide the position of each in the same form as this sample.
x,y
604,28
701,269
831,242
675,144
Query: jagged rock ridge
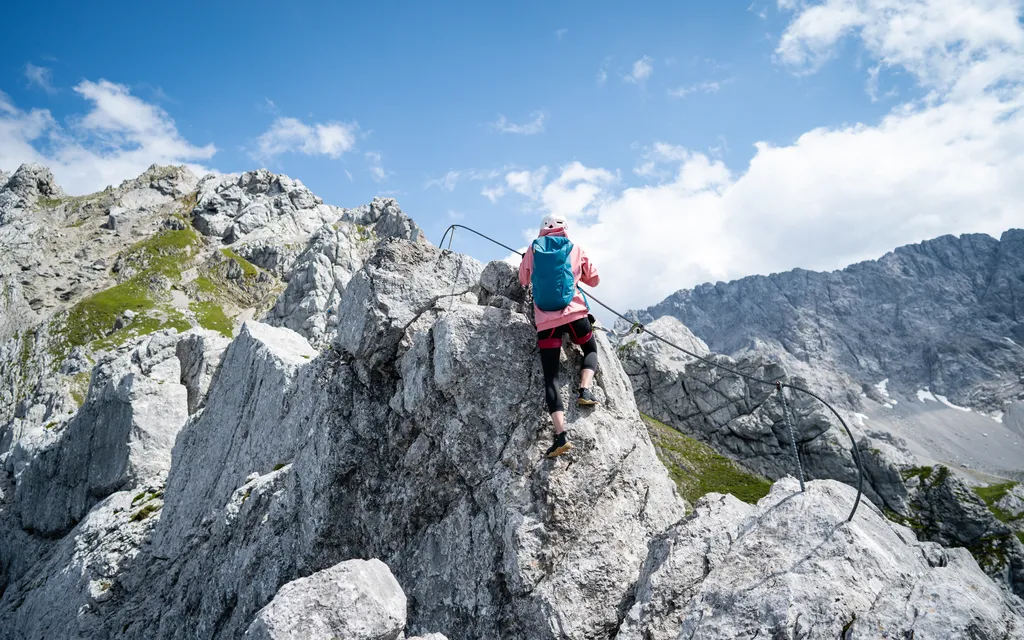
x,y
410,429
944,315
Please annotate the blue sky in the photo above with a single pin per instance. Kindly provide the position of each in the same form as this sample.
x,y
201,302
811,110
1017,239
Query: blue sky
x,y
640,123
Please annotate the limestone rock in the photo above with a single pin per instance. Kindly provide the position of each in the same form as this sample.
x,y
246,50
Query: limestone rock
x,y
121,438
199,353
33,181
742,419
678,562
355,599
942,315
434,464
796,568
309,304
172,181
943,509
387,220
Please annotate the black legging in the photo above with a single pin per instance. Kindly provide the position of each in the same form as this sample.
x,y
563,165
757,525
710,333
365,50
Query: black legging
x,y
550,343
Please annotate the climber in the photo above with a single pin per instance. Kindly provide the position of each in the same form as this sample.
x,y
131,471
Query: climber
x,y
554,266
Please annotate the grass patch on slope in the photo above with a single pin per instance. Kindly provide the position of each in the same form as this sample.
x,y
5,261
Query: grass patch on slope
x,y
91,321
697,469
211,316
992,494
248,268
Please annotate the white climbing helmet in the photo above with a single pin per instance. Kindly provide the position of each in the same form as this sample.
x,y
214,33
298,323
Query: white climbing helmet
x,y
554,221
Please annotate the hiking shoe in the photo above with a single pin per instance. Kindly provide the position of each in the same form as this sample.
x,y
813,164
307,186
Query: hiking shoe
x,y
586,398
560,446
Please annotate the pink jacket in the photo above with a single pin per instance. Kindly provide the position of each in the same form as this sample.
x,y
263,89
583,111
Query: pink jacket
x,y
582,270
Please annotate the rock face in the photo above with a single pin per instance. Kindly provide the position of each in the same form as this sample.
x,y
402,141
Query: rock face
x,y
422,431
356,599
944,509
942,315
410,428
309,304
742,419
121,437
268,218
792,567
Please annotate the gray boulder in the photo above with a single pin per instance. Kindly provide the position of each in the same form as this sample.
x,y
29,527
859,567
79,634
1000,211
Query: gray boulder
x,y
355,599
678,562
795,568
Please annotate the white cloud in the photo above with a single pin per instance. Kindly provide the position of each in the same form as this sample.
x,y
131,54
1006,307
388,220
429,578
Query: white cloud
x,y
377,171
493,193
119,137
560,33
950,163
938,41
642,70
527,183
602,73
446,182
530,128
711,86
291,135
41,77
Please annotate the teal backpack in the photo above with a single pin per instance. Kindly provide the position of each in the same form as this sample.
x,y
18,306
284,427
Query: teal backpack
x,y
553,284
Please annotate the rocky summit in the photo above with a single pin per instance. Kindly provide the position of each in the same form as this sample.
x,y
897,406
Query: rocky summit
x,y
233,411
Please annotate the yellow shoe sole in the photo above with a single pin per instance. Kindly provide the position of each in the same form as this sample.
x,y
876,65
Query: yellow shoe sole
x,y
586,403
560,450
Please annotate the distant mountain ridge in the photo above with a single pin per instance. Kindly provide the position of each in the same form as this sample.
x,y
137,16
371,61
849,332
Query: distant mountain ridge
x,y
945,315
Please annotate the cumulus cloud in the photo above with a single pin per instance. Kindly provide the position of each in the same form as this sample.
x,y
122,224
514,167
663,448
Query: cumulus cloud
x,y
532,127
40,77
119,137
949,163
527,183
291,135
642,70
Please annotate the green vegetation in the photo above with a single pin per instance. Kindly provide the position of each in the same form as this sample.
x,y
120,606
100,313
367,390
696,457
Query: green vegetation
x,y
92,320
205,285
697,469
79,386
149,509
280,465
990,552
211,316
49,203
248,268
146,496
163,253
917,472
627,348
906,521
993,494
1020,536
364,233
50,425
